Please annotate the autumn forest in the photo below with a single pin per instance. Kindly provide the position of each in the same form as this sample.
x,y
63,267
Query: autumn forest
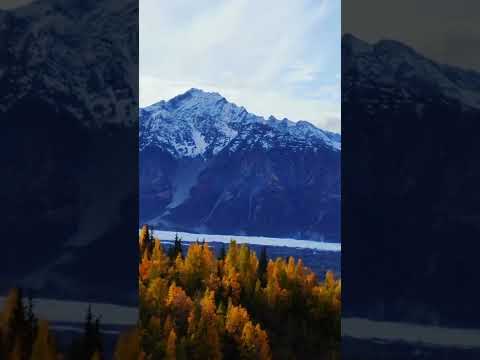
x,y
198,305
233,306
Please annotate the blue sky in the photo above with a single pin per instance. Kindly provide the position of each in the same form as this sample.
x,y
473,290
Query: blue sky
x,y
275,57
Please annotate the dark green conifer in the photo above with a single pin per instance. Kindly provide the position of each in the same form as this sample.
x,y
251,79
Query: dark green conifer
x,y
223,253
262,264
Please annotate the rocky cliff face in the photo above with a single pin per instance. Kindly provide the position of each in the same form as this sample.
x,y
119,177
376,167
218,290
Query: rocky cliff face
x,y
78,57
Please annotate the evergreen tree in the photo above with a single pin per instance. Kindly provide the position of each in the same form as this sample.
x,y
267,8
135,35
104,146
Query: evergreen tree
x,y
89,332
262,265
223,253
98,337
90,342
151,239
32,326
176,249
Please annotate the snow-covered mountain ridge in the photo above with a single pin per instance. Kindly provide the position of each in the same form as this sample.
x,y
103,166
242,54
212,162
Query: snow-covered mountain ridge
x,y
199,123
69,104
78,56
397,75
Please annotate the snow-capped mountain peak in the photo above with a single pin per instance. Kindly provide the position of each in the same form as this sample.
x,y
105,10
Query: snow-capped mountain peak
x,y
208,165
200,123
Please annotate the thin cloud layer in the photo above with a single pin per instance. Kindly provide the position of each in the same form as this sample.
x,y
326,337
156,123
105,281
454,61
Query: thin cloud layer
x,y
278,58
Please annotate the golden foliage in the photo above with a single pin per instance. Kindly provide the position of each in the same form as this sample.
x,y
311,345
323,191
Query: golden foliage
x,y
171,351
183,301
96,356
237,317
44,346
128,346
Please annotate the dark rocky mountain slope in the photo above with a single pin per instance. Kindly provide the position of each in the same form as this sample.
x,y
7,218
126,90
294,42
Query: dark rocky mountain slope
x,y
410,175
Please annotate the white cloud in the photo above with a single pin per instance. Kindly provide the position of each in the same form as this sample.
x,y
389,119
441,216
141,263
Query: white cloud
x,y
273,57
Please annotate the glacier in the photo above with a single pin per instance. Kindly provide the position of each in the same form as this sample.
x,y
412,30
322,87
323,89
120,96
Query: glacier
x,y
256,240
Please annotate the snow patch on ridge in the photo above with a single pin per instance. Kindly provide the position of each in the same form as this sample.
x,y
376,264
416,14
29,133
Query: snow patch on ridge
x,y
199,141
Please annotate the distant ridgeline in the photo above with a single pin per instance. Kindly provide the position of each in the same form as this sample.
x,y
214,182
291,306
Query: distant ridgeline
x,y
234,306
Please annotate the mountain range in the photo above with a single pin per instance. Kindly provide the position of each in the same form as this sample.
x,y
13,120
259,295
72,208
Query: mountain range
x,y
76,56
69,115
409,185
69,118
210,166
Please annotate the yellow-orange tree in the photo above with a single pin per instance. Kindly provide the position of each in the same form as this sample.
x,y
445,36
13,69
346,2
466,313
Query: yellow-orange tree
x,y
233,307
